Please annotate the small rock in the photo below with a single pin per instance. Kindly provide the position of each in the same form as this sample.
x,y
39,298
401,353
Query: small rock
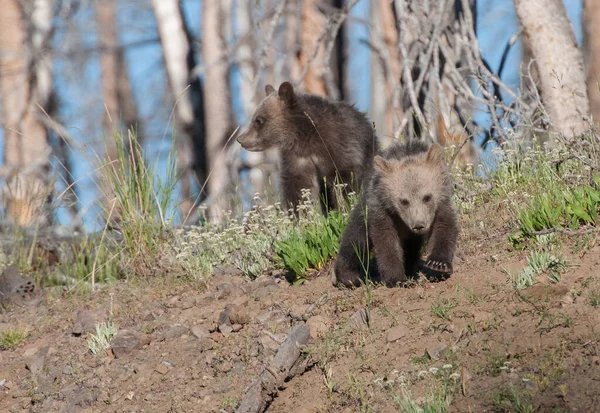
x,y
226,367
86,320
317,326
35,363
236,327
396,333
15,285
239,315
241,301
268,342
567,299
272,317
205,344
199,331
360,319
224,316
46,383
216,336
437,351
161,369
529,384
82,399
298,312
225,329
482,316
205,301
175,332
125,342
228,291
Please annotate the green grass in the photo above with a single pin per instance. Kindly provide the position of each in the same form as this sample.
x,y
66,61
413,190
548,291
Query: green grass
x,y
594,298
443,309
138,200
265,238
511,400
11,338
560,207
311,245
496,363
91,259
541,188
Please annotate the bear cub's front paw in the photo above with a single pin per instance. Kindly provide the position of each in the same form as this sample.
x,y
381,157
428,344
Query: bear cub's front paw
x,y
438,265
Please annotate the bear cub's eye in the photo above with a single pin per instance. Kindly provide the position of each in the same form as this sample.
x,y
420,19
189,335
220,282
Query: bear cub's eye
x,y
427,198
259,121
404,202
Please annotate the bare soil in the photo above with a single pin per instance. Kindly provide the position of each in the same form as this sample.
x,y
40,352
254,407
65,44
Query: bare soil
x,y
473,333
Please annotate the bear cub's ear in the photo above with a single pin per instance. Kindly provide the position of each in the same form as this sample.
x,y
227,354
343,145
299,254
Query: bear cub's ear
x,y
382,165
269,89
286,92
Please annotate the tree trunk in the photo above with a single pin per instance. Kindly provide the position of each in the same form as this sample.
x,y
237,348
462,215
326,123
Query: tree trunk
x,y
313,23
559,63
378,75
118,99
591,52
189,105
218,108
386,68
108,41
248,93
293,20
25,86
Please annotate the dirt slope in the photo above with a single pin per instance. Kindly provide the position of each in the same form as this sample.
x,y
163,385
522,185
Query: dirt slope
x,y
488,347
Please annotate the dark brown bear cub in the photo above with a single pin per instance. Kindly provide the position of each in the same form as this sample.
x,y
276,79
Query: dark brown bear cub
x,y
406,206
321,143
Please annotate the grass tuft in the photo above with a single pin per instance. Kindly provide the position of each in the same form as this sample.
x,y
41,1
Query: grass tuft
x,y
139,201
100,341
11,338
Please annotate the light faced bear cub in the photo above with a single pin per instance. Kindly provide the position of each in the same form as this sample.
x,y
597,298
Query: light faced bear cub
x,y
407,205
321,143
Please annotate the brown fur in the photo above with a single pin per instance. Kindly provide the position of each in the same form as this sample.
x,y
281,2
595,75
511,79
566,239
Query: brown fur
x,y
406,206
320,142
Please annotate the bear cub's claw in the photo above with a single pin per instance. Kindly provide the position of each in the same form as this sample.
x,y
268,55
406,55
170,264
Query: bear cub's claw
x,y
439,266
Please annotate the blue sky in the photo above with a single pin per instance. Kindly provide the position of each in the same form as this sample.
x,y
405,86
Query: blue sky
x,y
497,24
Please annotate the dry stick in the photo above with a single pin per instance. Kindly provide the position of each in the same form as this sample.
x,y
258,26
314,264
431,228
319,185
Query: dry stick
x,y
283,366
565,231
433,42
472,38
465,90
405,71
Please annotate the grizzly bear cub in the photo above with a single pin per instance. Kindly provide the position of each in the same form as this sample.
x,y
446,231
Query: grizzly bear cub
x,y
407,205
321,143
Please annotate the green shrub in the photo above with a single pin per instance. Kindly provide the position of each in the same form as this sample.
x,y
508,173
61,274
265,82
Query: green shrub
x,y
312,245
562,207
